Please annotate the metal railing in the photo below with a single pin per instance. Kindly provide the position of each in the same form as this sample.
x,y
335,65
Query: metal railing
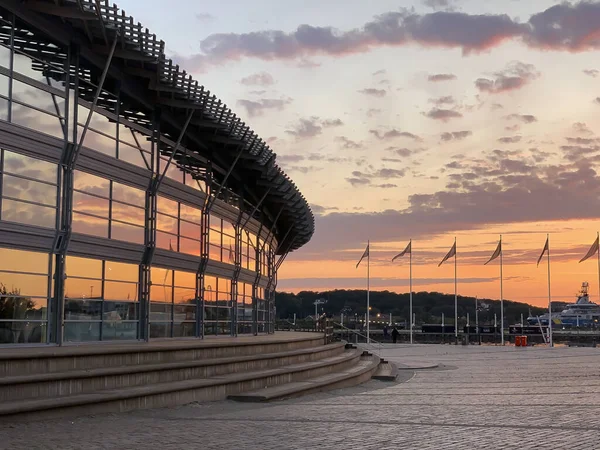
x,y
370,344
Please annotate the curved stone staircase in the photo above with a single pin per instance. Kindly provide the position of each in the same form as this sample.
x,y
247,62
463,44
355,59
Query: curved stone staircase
x,y
81,380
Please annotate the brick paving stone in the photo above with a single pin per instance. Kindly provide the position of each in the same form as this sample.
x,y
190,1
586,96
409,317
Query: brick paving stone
x,y
479,397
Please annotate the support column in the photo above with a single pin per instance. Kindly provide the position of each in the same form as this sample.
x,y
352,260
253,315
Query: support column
x,y
257,276
150,233
204,254
238,267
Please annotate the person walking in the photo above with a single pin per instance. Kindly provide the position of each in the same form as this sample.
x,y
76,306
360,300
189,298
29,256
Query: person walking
x,y
385,332
395,334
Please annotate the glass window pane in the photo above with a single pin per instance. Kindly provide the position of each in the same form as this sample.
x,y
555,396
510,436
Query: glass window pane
x,y
128,214
114,311
83,309
90,225
79,288
190,230
28,190
113,330
16,306
36,97
166,241
22,261
127,233
83,267
214,253
166,206
22,332
183,295
22,284
189,246
215,223
228,228
133,155
29,167
191,214
129,195
120,291
185,279
159,293
39,121
121,271
160,330
90,204
166,223
91,184
82,331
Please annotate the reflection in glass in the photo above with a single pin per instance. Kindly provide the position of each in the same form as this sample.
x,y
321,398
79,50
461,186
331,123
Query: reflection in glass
x,y
91,184
82,331
22,261
36,97
19,332
127,233
39,121
83,267
93,226
90,204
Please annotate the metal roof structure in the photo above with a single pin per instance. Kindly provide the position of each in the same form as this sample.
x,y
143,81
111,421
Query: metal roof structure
x,y
215,137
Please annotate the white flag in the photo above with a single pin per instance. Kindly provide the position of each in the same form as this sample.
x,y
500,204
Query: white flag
x,y
592,251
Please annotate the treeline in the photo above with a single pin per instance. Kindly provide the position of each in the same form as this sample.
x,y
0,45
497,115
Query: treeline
x,y
427,306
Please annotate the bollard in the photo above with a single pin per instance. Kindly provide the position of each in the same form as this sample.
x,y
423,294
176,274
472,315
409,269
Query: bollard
x,y
524,341
518,341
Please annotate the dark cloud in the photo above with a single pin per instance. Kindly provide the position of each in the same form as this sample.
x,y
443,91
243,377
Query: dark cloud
x,y
445,100
313,126
441,77
321,210
439,4
263,92
286,159
582,128
443,114
379,72
515,76
509,139
566,27
404,152
455,135
348,143
492,195
386,186
306,128
373,112
579,152
515,127
258,79
258,108
582,141
591,72
394,160
205,17
303,169
597,100
393,134
356,181
373,92
328,123
525,118
496,106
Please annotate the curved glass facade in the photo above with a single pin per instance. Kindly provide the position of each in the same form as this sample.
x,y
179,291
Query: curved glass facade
x,y
94,244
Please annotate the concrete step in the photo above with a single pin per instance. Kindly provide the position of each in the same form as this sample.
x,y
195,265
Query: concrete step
x,y
72,382
176,393
359,373
48,359
386,371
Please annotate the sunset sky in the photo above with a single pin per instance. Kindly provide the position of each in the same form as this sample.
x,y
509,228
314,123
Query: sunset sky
x,y
424,119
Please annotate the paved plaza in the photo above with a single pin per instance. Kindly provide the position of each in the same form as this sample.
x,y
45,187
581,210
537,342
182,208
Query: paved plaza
x,y
479,397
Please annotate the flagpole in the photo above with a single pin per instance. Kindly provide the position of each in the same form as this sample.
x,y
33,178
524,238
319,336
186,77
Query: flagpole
x,y
411,297
501,297
549,296
455,295
368,288
598,252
